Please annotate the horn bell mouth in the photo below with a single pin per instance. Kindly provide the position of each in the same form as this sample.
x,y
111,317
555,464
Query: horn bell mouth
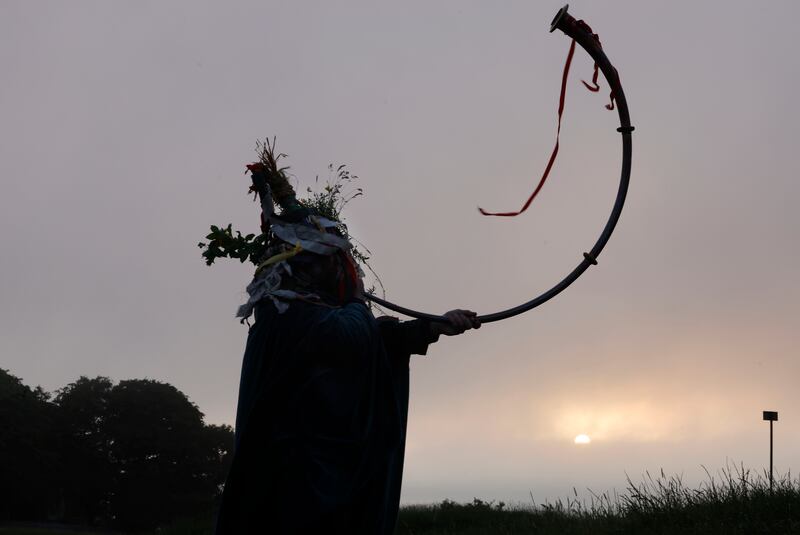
x,y
558,17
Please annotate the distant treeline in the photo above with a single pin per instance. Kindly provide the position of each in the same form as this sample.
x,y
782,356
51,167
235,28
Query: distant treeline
x,y
131,455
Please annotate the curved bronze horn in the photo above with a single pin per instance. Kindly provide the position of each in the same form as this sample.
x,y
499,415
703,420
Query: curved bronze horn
x,y
587,40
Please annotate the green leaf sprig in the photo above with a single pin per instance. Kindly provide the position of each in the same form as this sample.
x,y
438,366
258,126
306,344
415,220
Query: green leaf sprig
x,y
222,243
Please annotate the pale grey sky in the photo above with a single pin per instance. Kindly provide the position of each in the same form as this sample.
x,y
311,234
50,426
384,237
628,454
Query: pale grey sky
x,y
126,126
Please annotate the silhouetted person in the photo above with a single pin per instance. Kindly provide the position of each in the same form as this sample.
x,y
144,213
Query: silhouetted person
x,y
323,398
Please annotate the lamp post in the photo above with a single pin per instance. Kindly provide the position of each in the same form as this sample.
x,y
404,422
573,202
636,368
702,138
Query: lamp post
x,y
771,416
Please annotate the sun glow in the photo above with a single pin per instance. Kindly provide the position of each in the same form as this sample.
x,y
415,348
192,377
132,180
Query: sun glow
x,y
583,439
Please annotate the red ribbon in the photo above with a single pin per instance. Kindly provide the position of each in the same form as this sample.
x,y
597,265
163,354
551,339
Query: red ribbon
x,y
555,149
593,88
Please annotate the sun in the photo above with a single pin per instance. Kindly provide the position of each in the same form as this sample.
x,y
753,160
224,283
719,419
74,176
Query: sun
x,y
583,439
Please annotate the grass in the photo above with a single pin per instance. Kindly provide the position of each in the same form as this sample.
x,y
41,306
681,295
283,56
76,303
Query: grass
x,y
734,501
36,531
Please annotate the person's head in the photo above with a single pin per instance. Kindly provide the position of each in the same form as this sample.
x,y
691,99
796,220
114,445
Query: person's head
x,y
333,277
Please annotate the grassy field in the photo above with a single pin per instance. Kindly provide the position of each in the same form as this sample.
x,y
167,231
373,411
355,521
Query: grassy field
x,y
37,531
733,502
736,501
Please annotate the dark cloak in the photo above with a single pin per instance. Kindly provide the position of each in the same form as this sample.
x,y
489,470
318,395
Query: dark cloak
x,y
321,422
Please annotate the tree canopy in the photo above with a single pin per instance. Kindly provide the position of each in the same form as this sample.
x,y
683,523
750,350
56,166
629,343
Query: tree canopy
x,y
133,455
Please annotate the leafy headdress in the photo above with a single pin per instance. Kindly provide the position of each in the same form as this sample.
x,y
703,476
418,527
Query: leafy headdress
x,y
304,251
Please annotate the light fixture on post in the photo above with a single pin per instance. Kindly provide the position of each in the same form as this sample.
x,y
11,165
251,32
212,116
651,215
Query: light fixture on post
x,y
770,416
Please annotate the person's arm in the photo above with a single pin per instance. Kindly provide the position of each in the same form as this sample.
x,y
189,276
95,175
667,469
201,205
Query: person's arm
x,y
413,337
405,338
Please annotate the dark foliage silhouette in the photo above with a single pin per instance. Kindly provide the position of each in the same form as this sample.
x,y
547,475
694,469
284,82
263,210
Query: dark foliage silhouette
x,y
132,455
28,460
86,473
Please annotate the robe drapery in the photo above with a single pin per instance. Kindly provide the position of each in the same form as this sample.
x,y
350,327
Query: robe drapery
x,y
321,422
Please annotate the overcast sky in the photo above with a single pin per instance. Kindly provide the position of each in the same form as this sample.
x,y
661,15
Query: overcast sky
x,y
125,127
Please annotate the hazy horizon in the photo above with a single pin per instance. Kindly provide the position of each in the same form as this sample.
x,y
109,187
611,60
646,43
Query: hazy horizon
x,y
126,128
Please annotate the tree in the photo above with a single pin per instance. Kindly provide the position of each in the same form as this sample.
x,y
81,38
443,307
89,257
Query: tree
x,y
86,475
29,455
167,462
134,455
